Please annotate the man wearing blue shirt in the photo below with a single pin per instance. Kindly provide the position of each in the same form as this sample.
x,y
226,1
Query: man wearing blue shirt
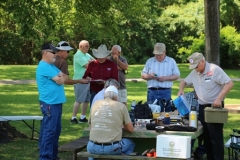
x,y
50,82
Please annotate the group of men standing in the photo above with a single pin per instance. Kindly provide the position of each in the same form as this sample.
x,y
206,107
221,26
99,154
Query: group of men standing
x,y
209,81
89,77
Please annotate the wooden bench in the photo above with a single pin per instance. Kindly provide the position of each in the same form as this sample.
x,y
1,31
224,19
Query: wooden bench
x,y
86,154
75,146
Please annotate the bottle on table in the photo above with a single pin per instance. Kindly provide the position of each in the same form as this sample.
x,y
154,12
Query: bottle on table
x,y
193,117
132,112
133,105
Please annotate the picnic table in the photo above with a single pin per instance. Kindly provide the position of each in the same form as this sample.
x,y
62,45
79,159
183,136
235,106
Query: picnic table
x,y
7,119
146,139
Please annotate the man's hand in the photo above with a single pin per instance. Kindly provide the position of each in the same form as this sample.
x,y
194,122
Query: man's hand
x,y
84,81
115,58
60,78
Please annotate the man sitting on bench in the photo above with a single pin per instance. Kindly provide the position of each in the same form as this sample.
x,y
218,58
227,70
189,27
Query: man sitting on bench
x,y
107,119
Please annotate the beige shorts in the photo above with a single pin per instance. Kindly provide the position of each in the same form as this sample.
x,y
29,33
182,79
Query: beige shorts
x,y
122,95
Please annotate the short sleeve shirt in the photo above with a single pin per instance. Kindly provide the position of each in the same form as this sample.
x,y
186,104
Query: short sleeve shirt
x,y
61,64
106,118
209,84
121,73
167,67
104,71
49,91
79,61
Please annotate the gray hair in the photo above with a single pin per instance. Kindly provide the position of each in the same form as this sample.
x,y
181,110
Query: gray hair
x,y
112,95
118,48
111,82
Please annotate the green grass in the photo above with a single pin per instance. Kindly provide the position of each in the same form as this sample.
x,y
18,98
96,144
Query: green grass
x,y
22,99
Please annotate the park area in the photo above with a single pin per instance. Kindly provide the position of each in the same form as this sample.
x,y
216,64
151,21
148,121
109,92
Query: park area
x,y
21,98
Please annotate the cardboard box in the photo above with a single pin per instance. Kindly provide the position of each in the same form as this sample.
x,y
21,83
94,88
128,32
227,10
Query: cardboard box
x,y
215,115
172,146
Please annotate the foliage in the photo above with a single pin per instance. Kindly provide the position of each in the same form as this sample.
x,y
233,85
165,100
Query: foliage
x,y
229,47
134,24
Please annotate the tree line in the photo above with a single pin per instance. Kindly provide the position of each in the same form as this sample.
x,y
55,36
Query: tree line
x,y
136,25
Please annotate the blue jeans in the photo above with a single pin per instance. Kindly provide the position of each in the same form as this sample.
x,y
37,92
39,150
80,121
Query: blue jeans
x,y
125,146
92,96
159,95
50,130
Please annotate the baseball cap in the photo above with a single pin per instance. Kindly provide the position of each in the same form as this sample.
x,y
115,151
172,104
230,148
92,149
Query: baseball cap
x,y
194,59
49,47
111,89
159,48
64,46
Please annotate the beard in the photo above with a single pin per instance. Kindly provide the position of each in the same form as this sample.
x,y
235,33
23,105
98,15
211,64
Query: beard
x,y
53,59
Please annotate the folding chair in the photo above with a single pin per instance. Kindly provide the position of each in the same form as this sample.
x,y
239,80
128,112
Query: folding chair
x,y
235,144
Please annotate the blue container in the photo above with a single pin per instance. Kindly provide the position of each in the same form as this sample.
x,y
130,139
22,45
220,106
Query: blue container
x,y
182,105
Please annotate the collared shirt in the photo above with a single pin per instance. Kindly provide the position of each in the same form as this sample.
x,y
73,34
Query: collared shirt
x,y
209,84
103,71
79,61
167,67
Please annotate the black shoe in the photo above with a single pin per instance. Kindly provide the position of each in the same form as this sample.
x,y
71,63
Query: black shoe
x,y
84,120
74,121
198,155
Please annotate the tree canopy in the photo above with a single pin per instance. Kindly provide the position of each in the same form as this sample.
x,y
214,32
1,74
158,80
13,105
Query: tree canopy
x,y
136,25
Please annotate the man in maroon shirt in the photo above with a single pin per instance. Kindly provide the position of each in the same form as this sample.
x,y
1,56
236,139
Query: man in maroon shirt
x,y
100,70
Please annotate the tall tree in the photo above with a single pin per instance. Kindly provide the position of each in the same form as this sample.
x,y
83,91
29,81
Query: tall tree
x,y
212,31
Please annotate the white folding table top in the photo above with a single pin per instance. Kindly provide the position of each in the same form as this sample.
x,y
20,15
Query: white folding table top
x,y
19,118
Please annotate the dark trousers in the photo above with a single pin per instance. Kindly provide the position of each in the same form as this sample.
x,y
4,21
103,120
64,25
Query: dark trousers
x,y
213,137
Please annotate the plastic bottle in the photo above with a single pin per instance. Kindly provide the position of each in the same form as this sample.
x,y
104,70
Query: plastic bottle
x,y
193,117
133,105
167,119
132,113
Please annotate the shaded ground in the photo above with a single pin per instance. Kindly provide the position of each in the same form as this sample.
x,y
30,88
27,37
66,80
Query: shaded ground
x,y
9,133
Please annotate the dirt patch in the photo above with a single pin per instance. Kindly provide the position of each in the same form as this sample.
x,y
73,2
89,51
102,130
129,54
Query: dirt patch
x,y
9,133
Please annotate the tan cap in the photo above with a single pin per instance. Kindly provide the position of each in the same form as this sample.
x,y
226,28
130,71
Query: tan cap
x,y
159,48
194,59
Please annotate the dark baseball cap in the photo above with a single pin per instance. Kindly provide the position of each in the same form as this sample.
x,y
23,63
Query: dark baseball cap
x,y
49,47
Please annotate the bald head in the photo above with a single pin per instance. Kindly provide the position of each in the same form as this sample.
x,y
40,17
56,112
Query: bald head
x,y
84,46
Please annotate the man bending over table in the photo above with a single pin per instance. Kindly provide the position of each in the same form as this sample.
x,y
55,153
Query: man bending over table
x,y
108,118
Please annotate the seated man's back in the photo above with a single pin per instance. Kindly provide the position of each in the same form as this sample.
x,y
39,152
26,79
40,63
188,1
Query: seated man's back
x,y
107,119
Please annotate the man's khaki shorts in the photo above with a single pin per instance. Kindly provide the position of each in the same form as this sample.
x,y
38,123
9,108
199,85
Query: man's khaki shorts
x,y
122,95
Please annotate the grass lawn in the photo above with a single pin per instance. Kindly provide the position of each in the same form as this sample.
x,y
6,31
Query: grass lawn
x,y
22,99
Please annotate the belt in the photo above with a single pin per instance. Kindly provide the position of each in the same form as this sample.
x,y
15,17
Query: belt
x,y
205,105
105,144
158,88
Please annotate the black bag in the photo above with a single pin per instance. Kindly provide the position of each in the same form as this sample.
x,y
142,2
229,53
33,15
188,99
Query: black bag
x,y
143,111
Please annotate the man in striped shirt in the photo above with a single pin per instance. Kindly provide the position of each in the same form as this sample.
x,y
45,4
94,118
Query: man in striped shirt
x,y
160,71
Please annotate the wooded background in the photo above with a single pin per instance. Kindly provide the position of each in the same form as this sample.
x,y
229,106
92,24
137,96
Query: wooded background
x,y
136,25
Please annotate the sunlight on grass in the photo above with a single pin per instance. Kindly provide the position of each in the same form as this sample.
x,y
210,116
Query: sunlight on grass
x,y
22,99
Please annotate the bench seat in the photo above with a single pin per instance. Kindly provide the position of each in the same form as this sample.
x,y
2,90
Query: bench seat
x,y
86,154
75,146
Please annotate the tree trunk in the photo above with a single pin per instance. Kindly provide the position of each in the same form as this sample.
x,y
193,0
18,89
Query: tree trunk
x,y
212,31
